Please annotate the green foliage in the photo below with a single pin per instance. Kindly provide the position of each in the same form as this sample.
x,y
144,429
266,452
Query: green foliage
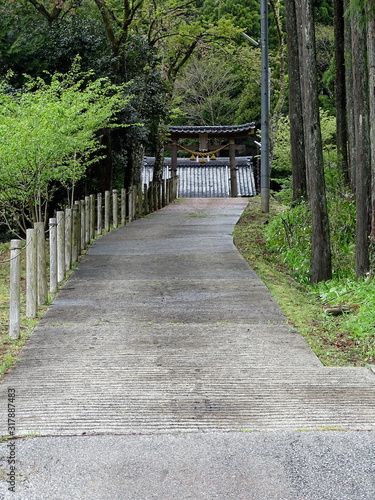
x,y
209,90
342,216
247,63
323,11
328,130
358,324
245,14
30,44
289,235
325,65
49,137
281,160
363,10
290,232
324,333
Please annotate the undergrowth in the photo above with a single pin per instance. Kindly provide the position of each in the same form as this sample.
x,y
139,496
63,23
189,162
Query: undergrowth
x,y
10,349
277,246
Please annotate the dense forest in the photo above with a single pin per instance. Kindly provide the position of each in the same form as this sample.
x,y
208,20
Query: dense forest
x,y
88,87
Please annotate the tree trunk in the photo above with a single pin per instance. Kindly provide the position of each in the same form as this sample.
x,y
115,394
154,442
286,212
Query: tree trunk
x,y
282,84
321,260
362,148
341,123
371,69
159,156
349,96
295,104
136,162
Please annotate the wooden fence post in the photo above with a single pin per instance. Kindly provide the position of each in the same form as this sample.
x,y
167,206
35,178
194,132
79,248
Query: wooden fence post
x,y
159,204
42,291
155,195
75,232
130,204
151,197
60,246
99,227
14,297
92,216
83,229
87,220
140,200
168,191
53,255
68,239
134,199
136,203
123,206
31,274
163,202
107,198
114,208
145,199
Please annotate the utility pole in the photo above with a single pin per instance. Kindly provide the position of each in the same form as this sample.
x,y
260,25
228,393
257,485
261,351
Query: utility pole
x,y
265,111
265,107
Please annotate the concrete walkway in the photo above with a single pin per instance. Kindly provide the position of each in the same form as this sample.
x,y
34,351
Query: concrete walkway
x,y
165,370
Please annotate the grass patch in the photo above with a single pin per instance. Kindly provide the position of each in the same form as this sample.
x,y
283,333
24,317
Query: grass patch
x,y
10,349
345,340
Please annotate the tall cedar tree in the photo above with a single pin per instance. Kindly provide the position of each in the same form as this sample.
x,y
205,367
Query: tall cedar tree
x,y
340,90
362,146
321,258
371,69
297,141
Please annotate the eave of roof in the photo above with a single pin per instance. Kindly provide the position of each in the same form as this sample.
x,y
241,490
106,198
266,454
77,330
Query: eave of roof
x,y
184,162
220,130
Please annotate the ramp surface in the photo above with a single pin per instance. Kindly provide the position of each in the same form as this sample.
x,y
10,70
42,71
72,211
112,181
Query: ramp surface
x,y
165,329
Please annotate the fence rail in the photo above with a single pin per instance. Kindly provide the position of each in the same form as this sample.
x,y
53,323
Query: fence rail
x,y
69,234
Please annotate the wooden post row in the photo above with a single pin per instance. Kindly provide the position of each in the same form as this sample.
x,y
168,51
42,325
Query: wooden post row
x,y
114,209
53,255
41,267
15,294
107,198
31,274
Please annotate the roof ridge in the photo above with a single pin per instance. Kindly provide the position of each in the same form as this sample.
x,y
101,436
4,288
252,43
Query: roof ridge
x,y
211,128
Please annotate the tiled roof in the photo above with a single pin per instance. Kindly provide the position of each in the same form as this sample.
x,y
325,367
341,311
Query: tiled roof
x,y
208,180
186,162
213,130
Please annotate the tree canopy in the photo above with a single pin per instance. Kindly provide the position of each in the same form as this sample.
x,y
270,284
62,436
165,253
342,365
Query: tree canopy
x,y
49,137
186,62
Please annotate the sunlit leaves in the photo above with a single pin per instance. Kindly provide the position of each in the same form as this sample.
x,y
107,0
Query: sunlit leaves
x,y
50,135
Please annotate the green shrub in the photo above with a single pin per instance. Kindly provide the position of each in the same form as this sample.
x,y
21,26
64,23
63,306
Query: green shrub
x,y
359,323
289,236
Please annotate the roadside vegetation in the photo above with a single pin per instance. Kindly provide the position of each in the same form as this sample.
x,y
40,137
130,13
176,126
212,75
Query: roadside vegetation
x,y
9,349
336,317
